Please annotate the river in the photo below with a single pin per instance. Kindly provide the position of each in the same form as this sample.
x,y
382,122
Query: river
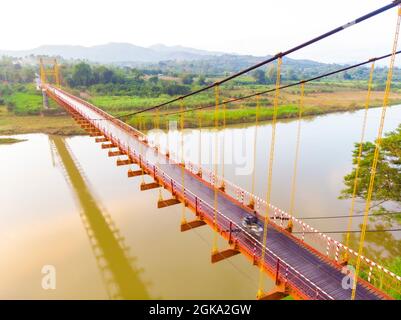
x,y
44,215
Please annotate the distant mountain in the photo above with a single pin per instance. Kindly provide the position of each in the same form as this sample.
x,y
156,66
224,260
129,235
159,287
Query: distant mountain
x,y
117,52
174,49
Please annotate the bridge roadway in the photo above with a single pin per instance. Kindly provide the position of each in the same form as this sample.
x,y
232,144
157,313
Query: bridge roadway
x,y
323,277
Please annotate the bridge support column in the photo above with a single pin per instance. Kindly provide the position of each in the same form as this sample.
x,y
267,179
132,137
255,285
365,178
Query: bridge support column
x,y
221,255
191,225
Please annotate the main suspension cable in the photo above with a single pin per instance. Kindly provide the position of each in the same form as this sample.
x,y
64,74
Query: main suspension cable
x,y
376,154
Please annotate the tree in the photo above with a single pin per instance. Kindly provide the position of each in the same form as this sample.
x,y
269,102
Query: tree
x,y
187,79
201,80
260,76
153,80
387,188
176,89
347,76
291,75
102,75
271,74
82,74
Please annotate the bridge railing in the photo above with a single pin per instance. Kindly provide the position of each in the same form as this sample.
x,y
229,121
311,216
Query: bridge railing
x,y
372,271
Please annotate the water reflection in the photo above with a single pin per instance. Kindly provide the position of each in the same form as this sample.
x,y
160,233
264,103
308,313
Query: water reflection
x,y
121,277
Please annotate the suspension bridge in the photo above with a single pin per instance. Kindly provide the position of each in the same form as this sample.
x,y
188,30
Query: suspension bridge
x,y
303,262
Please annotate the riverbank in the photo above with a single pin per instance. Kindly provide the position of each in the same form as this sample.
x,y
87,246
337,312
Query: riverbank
x,y
318,103
61,125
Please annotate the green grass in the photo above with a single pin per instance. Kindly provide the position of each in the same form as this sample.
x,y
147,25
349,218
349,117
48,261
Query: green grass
x,y
395,266
117,104
25,103
10,140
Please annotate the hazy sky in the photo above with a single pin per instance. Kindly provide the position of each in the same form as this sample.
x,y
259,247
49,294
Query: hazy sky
x,y
255,27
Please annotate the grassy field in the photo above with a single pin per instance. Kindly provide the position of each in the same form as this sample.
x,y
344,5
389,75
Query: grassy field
x,y
117,104
23,99
25,103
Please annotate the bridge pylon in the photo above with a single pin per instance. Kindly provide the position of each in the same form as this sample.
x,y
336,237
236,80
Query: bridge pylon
x,y
46,72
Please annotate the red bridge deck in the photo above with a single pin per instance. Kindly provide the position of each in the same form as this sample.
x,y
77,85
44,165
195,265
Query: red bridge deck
x,y
305,272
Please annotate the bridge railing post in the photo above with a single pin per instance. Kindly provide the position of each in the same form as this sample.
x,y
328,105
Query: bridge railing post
x,y
277,271
286,275
229,236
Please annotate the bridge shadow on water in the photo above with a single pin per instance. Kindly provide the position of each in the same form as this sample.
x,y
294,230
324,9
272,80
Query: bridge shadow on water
x,y
121,278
